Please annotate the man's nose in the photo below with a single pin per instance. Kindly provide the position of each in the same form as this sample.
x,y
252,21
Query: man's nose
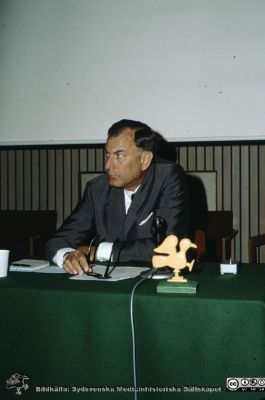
x,y
108,163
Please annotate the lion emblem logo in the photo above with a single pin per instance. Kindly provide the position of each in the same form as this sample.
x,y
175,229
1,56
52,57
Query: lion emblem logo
x,y
17,382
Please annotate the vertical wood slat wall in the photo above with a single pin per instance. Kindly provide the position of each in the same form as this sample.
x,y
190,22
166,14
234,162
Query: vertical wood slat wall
x,y
40,178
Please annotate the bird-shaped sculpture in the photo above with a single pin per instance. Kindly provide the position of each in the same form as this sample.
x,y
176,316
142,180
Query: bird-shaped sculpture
x,y
170,257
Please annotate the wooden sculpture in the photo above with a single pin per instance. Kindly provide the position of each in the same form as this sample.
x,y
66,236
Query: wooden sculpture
x,y
168,256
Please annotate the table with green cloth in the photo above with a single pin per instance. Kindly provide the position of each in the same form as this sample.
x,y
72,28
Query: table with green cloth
x,y
72,339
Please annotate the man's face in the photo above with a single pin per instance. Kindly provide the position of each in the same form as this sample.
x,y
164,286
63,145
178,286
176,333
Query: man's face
x,y
125,164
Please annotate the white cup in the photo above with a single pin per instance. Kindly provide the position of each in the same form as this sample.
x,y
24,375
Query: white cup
x,y
4,256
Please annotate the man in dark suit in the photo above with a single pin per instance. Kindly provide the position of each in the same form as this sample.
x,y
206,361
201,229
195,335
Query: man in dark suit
x,y
116,226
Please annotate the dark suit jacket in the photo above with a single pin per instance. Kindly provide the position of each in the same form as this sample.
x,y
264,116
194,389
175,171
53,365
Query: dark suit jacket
x,y
101,213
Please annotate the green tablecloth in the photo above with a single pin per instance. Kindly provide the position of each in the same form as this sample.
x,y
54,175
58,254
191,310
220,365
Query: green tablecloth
x,y
69,334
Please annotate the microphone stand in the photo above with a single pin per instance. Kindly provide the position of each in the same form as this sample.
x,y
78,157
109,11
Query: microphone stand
x,y
159,233
106,274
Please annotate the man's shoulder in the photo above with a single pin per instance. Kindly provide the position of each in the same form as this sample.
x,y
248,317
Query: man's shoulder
x,y
97,183
163,166
98,178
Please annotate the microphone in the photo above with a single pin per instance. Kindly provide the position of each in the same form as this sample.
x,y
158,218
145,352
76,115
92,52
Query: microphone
x,y
159,228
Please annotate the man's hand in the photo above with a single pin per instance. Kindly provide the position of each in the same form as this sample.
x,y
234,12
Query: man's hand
x,y
79,260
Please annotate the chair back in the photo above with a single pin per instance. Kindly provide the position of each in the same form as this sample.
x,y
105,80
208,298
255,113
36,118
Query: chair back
x,y
24,233
254,243
211,230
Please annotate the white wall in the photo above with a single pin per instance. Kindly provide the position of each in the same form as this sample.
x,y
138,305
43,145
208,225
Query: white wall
x,y
191,69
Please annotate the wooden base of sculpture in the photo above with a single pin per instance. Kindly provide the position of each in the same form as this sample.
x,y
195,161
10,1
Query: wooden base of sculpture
x,y
177,287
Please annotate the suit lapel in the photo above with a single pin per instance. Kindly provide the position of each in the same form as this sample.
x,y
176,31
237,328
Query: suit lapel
x,y
139,201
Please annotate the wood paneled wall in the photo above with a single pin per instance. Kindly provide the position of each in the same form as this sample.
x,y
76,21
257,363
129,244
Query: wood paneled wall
x,y
47,178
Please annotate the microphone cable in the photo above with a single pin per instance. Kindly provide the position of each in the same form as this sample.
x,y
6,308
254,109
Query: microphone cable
x,y
141,281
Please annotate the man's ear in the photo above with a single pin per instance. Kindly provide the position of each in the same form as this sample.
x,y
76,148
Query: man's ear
x,y
147,157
